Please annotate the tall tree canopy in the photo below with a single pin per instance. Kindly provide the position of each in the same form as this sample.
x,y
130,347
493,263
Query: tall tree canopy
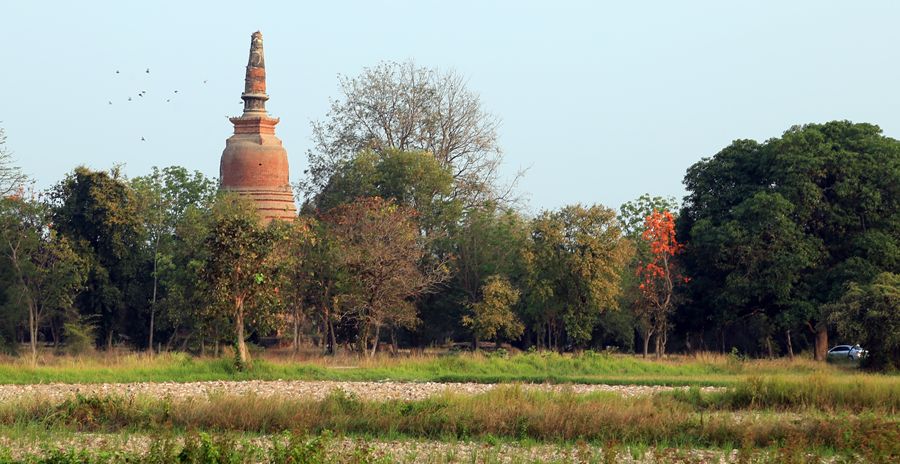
x,y
494,315
775,230
414,179
47,274
576,259
169,202
870,315
633,217
240,268
98,212
659,275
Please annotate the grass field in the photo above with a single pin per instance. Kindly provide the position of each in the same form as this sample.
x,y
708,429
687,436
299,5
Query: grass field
x,y
705,369
770,411
721,421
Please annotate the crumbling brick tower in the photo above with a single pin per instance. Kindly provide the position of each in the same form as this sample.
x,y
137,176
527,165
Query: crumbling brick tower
x,y
254,164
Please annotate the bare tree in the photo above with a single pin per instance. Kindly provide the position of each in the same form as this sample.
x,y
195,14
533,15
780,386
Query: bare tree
x,y
407,107
11,177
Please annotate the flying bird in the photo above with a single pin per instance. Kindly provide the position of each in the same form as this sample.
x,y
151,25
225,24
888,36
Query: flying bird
x,y
143,139
204,82
148,70
117,71
129,98
110,102
176,91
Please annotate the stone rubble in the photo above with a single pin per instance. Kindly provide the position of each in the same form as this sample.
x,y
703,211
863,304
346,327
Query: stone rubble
x,y
414,451
299,389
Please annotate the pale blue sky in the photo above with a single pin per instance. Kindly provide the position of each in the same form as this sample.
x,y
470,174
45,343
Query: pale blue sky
x,y
602,101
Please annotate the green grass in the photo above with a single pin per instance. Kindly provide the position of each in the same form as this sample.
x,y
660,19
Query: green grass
x,y
529,368
817,391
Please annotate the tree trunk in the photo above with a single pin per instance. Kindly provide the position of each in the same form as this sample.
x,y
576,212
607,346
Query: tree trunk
x,y
646,333
171,340
395,346
32,332
153,300
296,344
54,332
362,345
769,347
333,337
821,342
326,332
821,347
375,341
790,346
662,335
242,353
152,317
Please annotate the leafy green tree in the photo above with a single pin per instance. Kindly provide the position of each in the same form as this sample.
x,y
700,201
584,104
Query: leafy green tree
x,y
493,316
410,178
182,303
166,198
490,241
777,229
239,267
97,212
47,272
632,214
10,312
870,315
296,277
576,263
323,279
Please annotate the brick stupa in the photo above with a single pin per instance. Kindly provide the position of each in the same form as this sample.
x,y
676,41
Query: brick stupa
x,y
254,164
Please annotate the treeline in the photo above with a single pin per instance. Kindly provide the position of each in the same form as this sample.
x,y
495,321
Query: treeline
x,y
406,237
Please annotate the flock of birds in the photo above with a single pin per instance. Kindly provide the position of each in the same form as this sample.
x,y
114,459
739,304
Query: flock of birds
x,y
143,93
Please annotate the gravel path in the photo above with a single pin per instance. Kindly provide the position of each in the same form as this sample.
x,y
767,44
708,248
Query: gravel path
x,y
410,451
421,451
301,389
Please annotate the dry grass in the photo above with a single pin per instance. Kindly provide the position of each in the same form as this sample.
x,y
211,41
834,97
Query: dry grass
x,y
505,412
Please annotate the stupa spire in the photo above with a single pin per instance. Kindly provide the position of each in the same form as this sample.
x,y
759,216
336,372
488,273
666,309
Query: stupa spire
x,y
254,95
254,163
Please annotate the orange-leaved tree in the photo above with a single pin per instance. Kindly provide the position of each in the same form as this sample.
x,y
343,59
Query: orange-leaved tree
x,y
658,275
